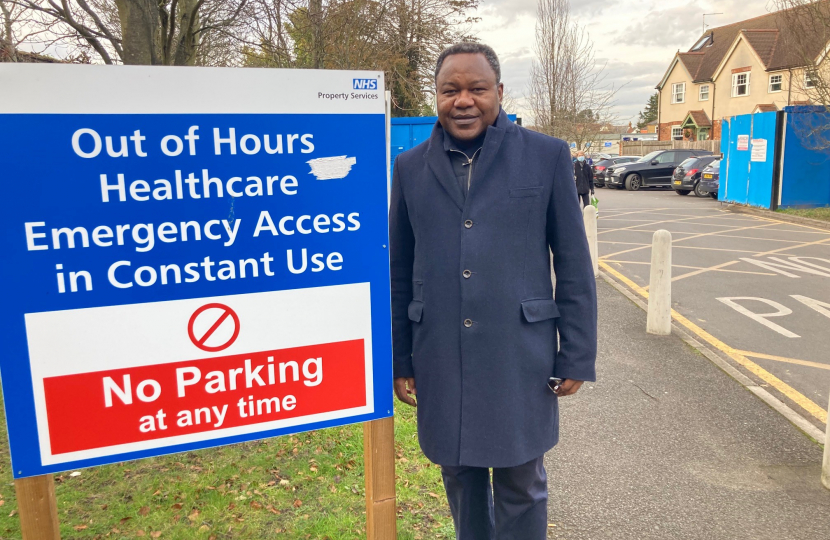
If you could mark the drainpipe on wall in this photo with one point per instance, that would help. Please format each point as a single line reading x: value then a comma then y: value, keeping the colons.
x: 713, y: 94
x: 659, y: 101
x: 789, y: 86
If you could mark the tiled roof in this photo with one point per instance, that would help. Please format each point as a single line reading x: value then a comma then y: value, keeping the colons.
x: 766, y: 107
x: 28, y: 57
x: 765, y: 34
x: 700, y: 118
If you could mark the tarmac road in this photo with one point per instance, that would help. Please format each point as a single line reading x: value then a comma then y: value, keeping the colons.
x: 727, y: 269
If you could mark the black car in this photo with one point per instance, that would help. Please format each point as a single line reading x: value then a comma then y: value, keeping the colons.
x: 686, y: 177
x: 600, y: 167
x: 652, y: 170
x: 710, y: 179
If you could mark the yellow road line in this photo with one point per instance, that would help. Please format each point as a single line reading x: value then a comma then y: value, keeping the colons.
x: 800, y: 399
x: 717, y: 267
x: 785, y: 359
x: 695, y: 268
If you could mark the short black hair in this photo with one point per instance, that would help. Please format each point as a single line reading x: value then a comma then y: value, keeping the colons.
x: 468, y: 47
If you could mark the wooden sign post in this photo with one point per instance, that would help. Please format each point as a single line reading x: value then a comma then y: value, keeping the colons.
x: 379, y: 456
x: 37, y: 507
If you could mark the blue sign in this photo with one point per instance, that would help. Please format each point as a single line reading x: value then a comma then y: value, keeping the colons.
x: 179, y: 279
x: 573, y: 145
x: 607, y: 145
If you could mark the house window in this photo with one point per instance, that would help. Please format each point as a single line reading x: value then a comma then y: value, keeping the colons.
x: 809, y: 80
x: 775, y: 83
x: 740, y: 84
x: 677, y: 133
x: 678, y: 93
x: 703, y: 134
x: 704, y: 93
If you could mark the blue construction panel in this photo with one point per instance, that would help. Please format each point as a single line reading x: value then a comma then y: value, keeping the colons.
x: 410, y: 131
x: 806, y: 159
x: 743, y: 180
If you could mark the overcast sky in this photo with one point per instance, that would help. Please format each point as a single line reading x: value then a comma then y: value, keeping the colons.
x: 636, y: 38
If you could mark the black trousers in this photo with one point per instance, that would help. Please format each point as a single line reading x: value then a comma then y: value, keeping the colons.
x: 586, y: 199
x: 514, y: 508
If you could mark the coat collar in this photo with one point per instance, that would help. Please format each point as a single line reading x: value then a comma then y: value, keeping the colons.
x: 439, y: 161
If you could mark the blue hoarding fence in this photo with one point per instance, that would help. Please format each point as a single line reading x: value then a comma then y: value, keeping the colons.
x: 777, y: 159
x: 409, y: 132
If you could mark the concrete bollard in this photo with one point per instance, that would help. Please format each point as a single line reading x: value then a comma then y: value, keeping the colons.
x: 659, y: 288
x: 589, y: 217
x: 825, y: 467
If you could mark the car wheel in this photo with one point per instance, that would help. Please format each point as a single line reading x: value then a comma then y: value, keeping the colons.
x: 714, y: 196
x: 699, y: 191
x: 600, y: 186
x: 633, y: 182
x: 682, y: 191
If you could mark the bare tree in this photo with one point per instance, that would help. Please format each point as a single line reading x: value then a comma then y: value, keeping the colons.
x: 568, y: 96
x: 157, y: 32
x: 806, y: 36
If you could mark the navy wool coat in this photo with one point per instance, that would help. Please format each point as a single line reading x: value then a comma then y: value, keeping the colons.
x: 474, y: 319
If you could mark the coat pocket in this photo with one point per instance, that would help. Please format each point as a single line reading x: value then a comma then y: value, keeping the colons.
x: 416, y: 310
x: 536, y: 310
x: 518, y: 193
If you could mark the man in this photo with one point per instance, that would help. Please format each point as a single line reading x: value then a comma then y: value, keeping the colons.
x: 473, y: 213
x: 584, y: 178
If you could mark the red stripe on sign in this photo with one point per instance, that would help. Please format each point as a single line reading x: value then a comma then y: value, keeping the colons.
x: 106, y: 408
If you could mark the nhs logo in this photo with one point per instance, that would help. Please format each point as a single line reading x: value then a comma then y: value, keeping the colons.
x: 364, y: 84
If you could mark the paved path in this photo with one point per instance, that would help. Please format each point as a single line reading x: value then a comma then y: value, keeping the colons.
x: 667, y: 446
x: 729, y: 267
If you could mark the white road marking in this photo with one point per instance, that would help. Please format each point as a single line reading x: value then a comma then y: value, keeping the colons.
x: 782, y: 311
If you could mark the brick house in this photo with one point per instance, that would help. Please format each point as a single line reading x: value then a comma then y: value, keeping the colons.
x: 739, y: 68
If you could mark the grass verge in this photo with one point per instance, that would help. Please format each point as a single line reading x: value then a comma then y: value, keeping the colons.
x: 306, y: 486
x: 813, y: 213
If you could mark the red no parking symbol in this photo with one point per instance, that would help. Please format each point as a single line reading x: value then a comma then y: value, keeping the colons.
x: 214, y: 329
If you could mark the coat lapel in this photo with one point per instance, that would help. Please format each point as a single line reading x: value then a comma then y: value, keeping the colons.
x: 489, y: 151
x: 439, y: 163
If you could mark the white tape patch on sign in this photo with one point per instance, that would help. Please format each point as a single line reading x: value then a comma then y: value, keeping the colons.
x: 263, y: 345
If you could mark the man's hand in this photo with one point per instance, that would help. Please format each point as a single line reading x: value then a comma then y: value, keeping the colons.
x: 405, y: 387
x: 568, y: 387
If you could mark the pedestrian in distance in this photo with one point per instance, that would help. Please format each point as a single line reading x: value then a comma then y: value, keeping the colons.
x: 475, y: 211
x: 584, y: 178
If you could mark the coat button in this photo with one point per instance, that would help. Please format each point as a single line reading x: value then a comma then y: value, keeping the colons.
x: 468, y: 323
x: 466, y: 274
x: 468, y: 223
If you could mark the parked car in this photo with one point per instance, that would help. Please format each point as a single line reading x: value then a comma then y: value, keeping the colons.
x: 652, y: 170
x: 601, y: 166
x: 686, y: 177
x: 710, y: 179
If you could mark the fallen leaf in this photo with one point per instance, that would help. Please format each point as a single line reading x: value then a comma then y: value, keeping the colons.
x: 204, y: 528
x: 231, y: 506
x: 143, y: 511
x: 74, y: 474
x: 125, y: 519
x: 255, y: 505
x: 433, y: 495
x: 193, y: 515
x: 139, y: 533
x: 177, y: 506
x: 155, y: 534
x: 298, y: 503
x: 80, y: 527
x: 284, y: 482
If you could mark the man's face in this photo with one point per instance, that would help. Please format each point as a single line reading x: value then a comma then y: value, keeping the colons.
x: 468, y: 95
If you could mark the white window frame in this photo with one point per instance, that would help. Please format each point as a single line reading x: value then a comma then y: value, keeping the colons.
x: 700, y: 94
x: 735, y: 83
x: 678, y: 97
x: 679, y: 135
x: 808, y: 80
x: 780, y: 83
